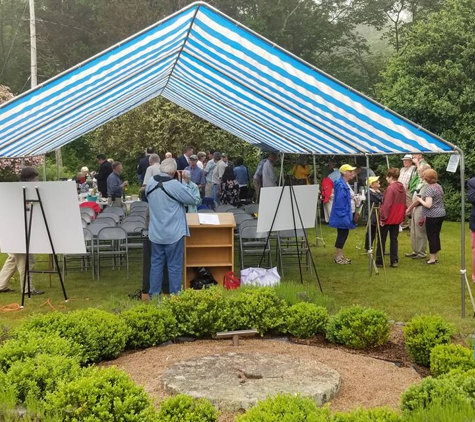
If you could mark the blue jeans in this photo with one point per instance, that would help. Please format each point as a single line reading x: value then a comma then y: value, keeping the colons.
x: 216, y: 197
x: 173, y: 255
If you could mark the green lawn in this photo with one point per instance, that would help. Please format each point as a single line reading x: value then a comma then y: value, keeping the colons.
x: 402, y: 292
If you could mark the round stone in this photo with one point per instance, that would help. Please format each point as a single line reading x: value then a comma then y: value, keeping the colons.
x: 235, y: 381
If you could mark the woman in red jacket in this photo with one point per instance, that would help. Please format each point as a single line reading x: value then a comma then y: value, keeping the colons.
x: 393, y: 210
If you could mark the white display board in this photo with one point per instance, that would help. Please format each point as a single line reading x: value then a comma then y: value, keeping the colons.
x: 60, y: 202
x: 306, y: 198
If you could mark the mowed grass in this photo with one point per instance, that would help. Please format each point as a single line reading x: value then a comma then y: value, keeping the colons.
x: 402, y: 292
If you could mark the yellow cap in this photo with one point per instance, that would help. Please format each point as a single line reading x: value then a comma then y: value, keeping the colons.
x: 373, y: 179
x: 346, y: 167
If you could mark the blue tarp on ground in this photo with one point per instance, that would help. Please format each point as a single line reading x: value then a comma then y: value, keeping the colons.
x: 221, y: 71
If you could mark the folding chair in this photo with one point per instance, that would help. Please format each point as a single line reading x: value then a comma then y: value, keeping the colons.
x: 86, y: 217
x: 290, y: 246
x: 224, y: 208
x: 119, y: 211
x: 134, y: 233
x: 237, y: 211
x: 87, y: 259
x: 96, y: 226
x: 138, y: 205
x: 134, y: 218
x: 112, y: 241
x: 109, y: 219
x: 86, y: 210
x: 252, y: 243
x: 251, y: 208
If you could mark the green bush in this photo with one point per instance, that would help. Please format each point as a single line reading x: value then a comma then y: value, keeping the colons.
x: 378, y: 414
x: 255, y: 307
x: 455, y: 387
x: 183, y: 408
x: 304, y: 320
x: 34, y: 343
x: 197, y: 312
x: 358, y: 327
x: 285, y: 408
x: 446, y: 357
x: 149, y: 325
x: 424, y: 332
x: 437, y: 412
x: 101, y: 334
x: 41, y: 374
x: 101, y: 395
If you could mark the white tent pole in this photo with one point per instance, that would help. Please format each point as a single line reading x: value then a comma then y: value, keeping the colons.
x: 318, y: 199
x: 281, y: 176
x: 463, y: 269
x: 44, y: 168
x: 368, y: 208
x: 387, y: 161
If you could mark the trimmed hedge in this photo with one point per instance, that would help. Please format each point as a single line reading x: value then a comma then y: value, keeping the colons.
x: 149, y: 326
x: 423, y: 333
x: 378, y: 414
x: 183, y: 408
x: 446, y: 357
x: 101, y: 334
x: 305, y: 320
x: 358, y: 327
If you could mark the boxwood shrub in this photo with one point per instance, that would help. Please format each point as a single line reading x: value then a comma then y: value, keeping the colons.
x: 183, y: 408
x: 100, y: 395
x: 38, y: 375
x: 285, y: 408
x: 149, y: 325
x: 101, y: 334
x: 446, y: 357
x: 378, y: 414
x: 255, y: 307
x: 424, y: 332
x: 358, y: 327
x: 304, y: 320
x: 33, y: 343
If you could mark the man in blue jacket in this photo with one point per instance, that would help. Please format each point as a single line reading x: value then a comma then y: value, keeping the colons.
x: 167, y: 198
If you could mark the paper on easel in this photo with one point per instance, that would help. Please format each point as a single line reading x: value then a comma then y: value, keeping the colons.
x: 212, y: 219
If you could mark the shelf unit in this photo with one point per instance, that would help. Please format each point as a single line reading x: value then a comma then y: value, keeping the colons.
x: 210, y: 246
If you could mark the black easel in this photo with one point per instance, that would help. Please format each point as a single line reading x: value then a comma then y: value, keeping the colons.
x: 288, y: 182
x: 28, y: 205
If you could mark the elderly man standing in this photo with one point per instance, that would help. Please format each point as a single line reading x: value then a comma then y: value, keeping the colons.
x: 405, y: 175
x: 167, y: 198
x: 196, y: 174
x: 268, y: 173
x: 115, y: 185
x: 218, y: 172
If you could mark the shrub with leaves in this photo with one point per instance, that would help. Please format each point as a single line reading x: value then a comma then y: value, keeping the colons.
x: 358, y: 327
x: 378, y: 414
x: 197, y: 312
x: 455, y: 387
x: 34, y: 377
x: 446, y: 357
x: 255, y: 307
x: 438, y: 412
x: 423, y: 333
x: 149, y: 325
x: 101, y: 395
x: 285, y: 408
x: 304, y: 320
x: 183, y: 408
x: 33, y: 343
x: 101, y: 334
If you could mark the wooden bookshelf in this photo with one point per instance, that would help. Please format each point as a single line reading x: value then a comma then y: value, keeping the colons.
x: 210, y: 246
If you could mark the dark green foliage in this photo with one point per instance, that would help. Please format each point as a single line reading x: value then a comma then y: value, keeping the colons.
x: 198, y: 312
x: 34, y: 343
x: 183, y: 408
x: 437, y: 412
x: 101, y: 334
x: 101, y: 395
x: 358, y: 327
x: 255, y: 307
x: 305, y: 320
x: 285, y: 408
x: 378, y: 414
x: 41, y: 374
x: 149, y: 325
x: 424, y: 332
x: 446, y: 357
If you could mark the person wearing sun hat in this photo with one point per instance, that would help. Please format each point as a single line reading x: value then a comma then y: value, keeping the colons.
x: 343, y: 210
x: 375, y: 198
x: 406, y: 173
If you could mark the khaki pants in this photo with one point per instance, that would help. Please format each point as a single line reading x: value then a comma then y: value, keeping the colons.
x: 327, y: 209
x: 406, y: 223
x: 14, y: 262
x: 116, y: 203
x: 418, y: 233
x: 209, y: 190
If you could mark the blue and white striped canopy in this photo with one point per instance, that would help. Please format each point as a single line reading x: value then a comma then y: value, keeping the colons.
x: 221, y: 71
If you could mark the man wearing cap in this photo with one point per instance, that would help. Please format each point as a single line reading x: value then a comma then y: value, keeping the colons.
x: 405, y: 175
x: 375, y: 198
x: 196, y: 174
x: 344, y: 207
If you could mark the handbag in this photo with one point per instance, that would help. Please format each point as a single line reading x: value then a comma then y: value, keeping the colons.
x: 231, y: 282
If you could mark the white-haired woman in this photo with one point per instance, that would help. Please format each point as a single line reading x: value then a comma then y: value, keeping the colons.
x: 186, y: 179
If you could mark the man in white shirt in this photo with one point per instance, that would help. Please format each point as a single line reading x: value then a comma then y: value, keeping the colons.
x: 218, y: 174
x: 152, y: 170
x: 268, y: 173
x: 405, y: 176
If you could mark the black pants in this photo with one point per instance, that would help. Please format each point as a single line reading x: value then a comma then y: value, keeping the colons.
x: 393, y: 230
x: 367, y: 242
x: 342, y: 235
x: 433, y: 228
x: 243, y: 192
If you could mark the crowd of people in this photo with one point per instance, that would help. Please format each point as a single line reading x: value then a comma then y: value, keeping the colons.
x: 412, y: 195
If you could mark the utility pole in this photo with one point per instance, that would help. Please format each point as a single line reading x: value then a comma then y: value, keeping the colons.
x: 34, y: 65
